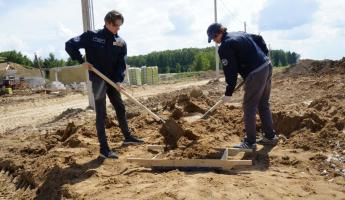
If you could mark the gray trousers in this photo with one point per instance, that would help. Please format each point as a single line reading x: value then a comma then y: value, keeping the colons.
x: 257, y: 92
x: 100, y: 89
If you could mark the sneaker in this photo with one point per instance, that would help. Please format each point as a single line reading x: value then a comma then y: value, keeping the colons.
x: 109, y: 154
x: 132, y: 140
x: 245, y: 145
x: 266, y: 141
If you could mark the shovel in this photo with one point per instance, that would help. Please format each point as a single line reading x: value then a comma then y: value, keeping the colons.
x: 171, y: 131
x: 197, y: 117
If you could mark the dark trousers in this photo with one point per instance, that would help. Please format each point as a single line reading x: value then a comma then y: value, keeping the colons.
x: 257, y: 92
x: 100, y: 89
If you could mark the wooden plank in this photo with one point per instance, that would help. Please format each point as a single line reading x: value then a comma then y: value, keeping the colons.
x: 225, y: 154
x: 231, y: 151
x: 156, y: 156
x: 207, y: 163
x: 234, y: 151
x: 155, y: 147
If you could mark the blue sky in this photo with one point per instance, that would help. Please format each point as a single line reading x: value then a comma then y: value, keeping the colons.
x: 313, y: 28
x: 285, y: 15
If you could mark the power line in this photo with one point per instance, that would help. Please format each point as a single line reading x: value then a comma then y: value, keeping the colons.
x: 231, y: 13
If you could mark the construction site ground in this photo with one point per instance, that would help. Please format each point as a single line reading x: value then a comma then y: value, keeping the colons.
x: 49, y: 147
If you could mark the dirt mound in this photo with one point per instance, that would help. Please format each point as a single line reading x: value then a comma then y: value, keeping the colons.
x: 171, y: 132
x: 286, y: 123
x: 203, y: 136
x: 70, y: 112
x: 177, y: 113
x: 320, y: 126
x: 196, y: 92
x: 22, y: 71
x: 195, y: 150
x: 70, y: 129
x: 312, y: 67
x: 20, y: 177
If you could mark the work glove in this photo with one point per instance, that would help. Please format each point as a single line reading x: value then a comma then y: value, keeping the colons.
x: 120, y: 86
x: 87, y: 65
x: 226, y: 99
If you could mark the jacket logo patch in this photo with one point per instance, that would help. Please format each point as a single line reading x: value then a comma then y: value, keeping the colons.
x: 98, y: 40
x: 225, y: 62
x: 76, y: 39
x: 118, y: 42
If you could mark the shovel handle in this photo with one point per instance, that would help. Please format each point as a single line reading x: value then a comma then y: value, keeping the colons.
x: 219, y: 102
x: 212, y: 109
x: 125, y: 93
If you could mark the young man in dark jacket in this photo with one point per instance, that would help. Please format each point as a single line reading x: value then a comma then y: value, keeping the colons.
x: 105, y: 51
x: 246, y: 54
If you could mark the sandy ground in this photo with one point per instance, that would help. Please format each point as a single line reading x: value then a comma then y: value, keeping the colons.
x: 58, y: 158
x: 40, y: 108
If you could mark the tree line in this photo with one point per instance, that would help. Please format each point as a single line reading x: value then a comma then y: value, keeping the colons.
x: 169, y: 61
x: 281, y: 58
x: 194, y: 59
x: 49, y: 62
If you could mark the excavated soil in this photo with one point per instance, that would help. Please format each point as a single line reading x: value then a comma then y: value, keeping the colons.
x: 59, y: 158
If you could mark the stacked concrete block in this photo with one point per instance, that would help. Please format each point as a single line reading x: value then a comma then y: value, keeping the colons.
x: 134, y: 76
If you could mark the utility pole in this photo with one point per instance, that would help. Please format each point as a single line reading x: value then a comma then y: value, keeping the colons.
x: 40, y: 67
x: 245, y: 27
x: 216, y: 46
x: 88, y: 24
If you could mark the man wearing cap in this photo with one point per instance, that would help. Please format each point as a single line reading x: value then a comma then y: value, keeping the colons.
x: 105, y: 51
x: 246, y: 54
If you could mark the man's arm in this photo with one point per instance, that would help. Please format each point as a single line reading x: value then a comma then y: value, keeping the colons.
x: 73, y: 45
x: 121, y: 64
x: 260, y: 42
x: 230, y: 68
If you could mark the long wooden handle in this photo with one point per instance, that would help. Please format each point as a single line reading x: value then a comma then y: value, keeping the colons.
x: 212, y: 109
x: 126, y: 94
x: 219, y: 102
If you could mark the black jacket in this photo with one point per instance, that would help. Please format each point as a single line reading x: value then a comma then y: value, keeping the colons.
x: 240, y: 53
x: 104, y: 50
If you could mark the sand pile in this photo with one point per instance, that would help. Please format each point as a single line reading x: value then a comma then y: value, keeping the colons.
x: 310, y: 67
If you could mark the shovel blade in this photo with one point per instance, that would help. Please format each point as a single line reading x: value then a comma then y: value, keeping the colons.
x: 193, y: 117
x: 171, y: 132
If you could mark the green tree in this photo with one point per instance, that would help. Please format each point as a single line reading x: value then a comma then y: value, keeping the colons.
x: 178, y: 68
x: 16, y: 57
x: 282, y: 58
x: 2, y: 59
x: 52, y: 62
x: 200, y: 63
x: 180, y: 60
x: 71, y: 62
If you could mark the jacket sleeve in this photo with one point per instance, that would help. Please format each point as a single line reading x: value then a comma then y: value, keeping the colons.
x: 230, y: 67
x: 121, y: 64
x: 73, y: 45
x: 260, y: 42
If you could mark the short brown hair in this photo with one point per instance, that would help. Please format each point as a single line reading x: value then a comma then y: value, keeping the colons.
x: 112, y: 16
x: 222, y: 29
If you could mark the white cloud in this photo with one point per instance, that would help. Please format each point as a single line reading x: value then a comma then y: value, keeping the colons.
x: 10, y: 42
x: 284, y: 15
x: 321, y: 38
x: 46, y: 24
x: 154, y: 25
x: 65, y: 32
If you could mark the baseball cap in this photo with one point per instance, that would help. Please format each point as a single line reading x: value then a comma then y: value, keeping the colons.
x: 212, y: 30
